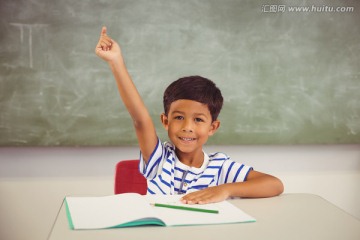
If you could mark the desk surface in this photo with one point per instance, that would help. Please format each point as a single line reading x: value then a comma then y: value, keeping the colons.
x: 289, y: 216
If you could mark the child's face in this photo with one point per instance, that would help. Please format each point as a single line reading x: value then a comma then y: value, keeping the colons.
x: 189, y: 125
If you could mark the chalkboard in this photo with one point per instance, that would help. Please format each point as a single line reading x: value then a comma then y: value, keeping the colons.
x: 289, y: 70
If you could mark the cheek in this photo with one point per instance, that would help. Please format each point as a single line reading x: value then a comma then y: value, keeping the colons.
x: 205, y: 131
x: 173, y: 127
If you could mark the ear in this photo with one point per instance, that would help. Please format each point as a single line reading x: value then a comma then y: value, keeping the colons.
x: 214, y: 127
x: 164, y: 121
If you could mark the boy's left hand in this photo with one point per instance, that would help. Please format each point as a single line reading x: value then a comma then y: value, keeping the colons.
x: 107, y: 48
x: 208, y: 195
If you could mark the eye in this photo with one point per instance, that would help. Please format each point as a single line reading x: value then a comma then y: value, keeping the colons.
x: 199, y: 120
x: 179, y: 117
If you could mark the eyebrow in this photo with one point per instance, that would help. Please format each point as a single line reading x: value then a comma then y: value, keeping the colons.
x: 196, y: 114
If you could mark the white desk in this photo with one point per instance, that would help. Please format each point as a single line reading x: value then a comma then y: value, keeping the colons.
x: 289, y: 216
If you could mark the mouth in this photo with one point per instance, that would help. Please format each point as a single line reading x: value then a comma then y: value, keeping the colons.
x: 187, y: 139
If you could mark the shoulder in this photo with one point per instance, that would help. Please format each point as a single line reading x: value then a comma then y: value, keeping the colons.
x: 218, y: 156
x: 218, y: 159
x: 222, y: 159
x: 164, y: 146
x: 168, y: 145
x: 161, y: 149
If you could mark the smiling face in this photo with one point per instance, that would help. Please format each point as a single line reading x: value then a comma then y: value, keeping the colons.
x: 189, y: 125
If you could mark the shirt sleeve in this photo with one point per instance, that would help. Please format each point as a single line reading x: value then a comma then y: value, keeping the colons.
x: 233, y: 172
x: 150, y: 170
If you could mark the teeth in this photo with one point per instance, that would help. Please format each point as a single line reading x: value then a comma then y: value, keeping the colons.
x: 187, y: 139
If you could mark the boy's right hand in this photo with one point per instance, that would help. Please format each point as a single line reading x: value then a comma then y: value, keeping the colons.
x: 107, y: 48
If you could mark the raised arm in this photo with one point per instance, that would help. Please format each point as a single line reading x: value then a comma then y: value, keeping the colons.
x: 110, y: 51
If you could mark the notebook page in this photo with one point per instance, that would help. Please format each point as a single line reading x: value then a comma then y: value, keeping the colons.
x: 108, y: 211
x: 228, y: 213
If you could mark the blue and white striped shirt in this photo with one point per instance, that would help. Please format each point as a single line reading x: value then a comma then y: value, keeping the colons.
x: 165, y: 173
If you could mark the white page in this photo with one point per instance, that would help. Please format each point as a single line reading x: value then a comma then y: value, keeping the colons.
x: 108, y: 211
x: 228, y: 213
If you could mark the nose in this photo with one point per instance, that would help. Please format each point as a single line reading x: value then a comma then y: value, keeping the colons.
x: 187, y: 126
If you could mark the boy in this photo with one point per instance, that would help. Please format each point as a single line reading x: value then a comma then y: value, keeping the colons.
x: 191, y: 108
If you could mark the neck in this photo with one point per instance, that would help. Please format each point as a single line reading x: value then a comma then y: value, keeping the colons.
x: 191, y: 159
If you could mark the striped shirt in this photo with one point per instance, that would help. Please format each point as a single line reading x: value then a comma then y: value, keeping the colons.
x: 165, y: 173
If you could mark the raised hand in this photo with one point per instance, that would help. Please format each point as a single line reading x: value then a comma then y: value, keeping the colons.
x: 107, y: 48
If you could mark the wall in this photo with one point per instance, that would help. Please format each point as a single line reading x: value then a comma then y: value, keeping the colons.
x: 33, y: 181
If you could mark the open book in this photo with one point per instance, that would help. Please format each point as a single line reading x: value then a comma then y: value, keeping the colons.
x: 132, y: 209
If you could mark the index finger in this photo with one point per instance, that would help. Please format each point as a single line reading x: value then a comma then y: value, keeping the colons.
x: 103, y: 31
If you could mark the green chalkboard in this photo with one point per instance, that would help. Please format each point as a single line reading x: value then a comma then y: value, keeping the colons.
x: 288, y: 75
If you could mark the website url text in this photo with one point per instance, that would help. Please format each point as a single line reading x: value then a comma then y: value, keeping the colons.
x: 297, y: 9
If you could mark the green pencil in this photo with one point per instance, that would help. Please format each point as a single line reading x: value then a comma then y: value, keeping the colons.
x: 185, y: 208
